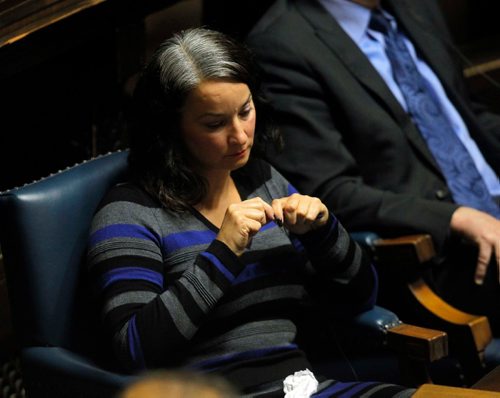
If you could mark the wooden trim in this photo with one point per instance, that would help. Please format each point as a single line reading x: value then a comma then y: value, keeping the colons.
x: 30, y: 16
x: 482, y: 68
x: 438, y: 391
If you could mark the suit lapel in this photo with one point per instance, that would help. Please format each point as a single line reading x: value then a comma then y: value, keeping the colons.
x: 332, y: 34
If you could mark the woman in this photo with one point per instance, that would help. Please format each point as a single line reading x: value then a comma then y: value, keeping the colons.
x: 201, y: 259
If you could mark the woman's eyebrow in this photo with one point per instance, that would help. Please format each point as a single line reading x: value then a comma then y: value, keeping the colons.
x: 215, y: 114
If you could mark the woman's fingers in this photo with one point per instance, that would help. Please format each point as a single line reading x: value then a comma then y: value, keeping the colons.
x: 242, y: 221
x: 303, y: 213
x: 277, y: 212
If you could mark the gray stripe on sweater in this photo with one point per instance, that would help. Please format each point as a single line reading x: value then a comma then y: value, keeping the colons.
x: 260, y: 296
x: 195, y: 284
x: 137, y: 297
x: 115, y: 247
x: 253, y: 335
x: 181, y: 318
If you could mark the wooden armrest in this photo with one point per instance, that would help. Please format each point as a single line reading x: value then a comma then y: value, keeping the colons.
x: 416, y: 347
x: 405, y: 250
x: 418, y: 343
x: 438, y: 391
x: 418, y: 249
x: 469, y: 334
x: 478, y: 324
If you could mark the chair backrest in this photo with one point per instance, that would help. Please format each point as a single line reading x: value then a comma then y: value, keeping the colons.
x: 43, y: 235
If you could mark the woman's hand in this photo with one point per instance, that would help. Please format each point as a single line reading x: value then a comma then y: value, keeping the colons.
x: 300, y: 213
x: 242, y: 221
x: 482, y: 230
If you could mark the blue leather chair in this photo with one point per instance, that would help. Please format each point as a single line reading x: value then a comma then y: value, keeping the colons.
x: 43, y: 236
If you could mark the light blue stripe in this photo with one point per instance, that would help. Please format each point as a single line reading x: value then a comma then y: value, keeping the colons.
x: 215, y: 261
x: 131, y: 273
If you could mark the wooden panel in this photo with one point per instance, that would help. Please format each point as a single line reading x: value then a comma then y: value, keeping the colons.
x: 20, y: 18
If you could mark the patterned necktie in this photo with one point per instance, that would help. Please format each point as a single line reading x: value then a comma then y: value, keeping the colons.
x: 466, y: 184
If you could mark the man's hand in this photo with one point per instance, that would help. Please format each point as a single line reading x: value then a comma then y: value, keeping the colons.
x: 484, y: 231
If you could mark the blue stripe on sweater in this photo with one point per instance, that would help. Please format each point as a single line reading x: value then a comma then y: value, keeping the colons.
x: 180, y: 240
x: 339, y: 386
x: 131, y: 273
x: 330, y: 231
x: 356, y: 389
x: 134, y: 344
x: 214, y: 363
x: 121, y: 231
x: 215, y: 261
x: 258, y: 270
x: 292, y: 190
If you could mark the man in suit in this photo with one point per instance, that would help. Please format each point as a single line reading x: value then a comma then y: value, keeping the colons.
x: 352, y: 139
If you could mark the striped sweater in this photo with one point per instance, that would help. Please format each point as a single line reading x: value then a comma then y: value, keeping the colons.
x: 172, y: 295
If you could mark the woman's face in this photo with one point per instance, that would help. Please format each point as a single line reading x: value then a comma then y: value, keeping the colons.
x: 218, y: 125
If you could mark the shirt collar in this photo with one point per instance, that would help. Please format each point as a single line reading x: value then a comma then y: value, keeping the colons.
x: 352, y: 17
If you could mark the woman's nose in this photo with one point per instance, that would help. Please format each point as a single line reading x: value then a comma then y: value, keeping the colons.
x: 238, y: 134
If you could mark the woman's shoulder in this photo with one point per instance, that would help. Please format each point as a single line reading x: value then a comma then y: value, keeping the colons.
x: 129, y: 192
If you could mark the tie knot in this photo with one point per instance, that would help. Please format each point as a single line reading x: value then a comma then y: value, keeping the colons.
x: 379, y: 23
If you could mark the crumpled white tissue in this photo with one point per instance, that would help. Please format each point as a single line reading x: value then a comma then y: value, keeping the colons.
x: 301, y: 384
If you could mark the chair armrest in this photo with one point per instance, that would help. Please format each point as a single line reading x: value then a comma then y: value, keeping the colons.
x: 403, y: 259
x: 438, y: 391
x: 408, y: 340
x: 415, y: 347
x: 55, y: 371
x: 376, y: 322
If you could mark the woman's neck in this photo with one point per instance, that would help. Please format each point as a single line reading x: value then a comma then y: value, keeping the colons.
x: 218, y: 188
x: 221, y: 193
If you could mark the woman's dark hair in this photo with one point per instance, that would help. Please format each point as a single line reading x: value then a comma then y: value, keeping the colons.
x: 157, y: 154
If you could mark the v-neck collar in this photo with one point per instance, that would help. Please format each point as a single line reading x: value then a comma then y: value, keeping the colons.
x: 242, y: 186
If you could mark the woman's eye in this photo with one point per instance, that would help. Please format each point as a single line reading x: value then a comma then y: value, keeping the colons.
x: 245, y: 112
x: 214, y: 125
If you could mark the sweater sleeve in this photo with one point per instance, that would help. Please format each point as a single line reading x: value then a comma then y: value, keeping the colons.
x: 344, y: 268
x: 339, y: 261
x: 151, y: 319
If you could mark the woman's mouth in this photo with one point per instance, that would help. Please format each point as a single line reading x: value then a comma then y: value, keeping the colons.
x: 238, y: 154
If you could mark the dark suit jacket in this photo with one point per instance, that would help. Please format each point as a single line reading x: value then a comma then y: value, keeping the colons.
x: 347, y: 139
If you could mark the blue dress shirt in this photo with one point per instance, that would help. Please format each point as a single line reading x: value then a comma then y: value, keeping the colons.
x: 354, y: 19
